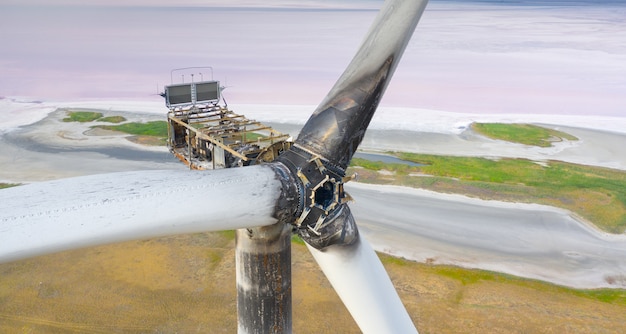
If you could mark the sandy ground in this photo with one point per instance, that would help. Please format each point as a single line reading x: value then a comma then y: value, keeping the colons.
x: 529, y: 241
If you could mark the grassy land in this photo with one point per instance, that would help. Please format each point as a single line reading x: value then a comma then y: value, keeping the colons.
x: 187, y: 284
x: 154, y: 128
x: 253, y: 136
x: 82, y: 116
x: 112, y: 119
x: 7, y: 185
x: 522, y: 133
x: 151, y: 133
x: 90, y: 116
x: 468, y: 277
x: 596, y: 194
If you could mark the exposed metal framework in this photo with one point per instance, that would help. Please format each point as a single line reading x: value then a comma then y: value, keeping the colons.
x: 214, y: 137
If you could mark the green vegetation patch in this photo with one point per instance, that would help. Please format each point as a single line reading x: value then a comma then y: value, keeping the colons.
x: 526, y: 134
x: 612, y: 296
x: 595, y: 193
x: 82, y: 116
x: 398, y: 168
x: 467, y: 277
x: 392, y: 260
x: 295, y: 238
x: 228, y: 234
x: 154, y: 128
x: 91, y: 116
x: 475, y: 276
x: 8, y: 185
x: 253, y: 136
x: 113, y: 119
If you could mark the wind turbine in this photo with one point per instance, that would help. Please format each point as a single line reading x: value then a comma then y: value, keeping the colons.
x: 301, y: 191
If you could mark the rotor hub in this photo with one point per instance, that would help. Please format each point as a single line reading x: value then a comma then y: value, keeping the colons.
x: 322, y: 217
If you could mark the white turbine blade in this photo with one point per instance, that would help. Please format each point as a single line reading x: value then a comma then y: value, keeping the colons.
x: 360, y: 280
x: 47, y: 217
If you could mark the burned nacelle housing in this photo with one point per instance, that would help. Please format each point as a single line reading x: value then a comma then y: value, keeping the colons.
x: 213, y: 137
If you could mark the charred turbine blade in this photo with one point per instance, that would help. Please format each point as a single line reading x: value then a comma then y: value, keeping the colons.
x: 321, y: 153
x: 338, y: 125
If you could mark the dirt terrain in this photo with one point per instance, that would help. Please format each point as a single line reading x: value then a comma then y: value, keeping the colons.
x: 186, y: 284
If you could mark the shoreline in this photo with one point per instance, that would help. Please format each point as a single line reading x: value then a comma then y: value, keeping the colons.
x: 18, y: 111
x: 527, y: 240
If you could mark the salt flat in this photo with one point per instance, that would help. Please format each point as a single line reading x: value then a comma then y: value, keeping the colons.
x: 525, y: 240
